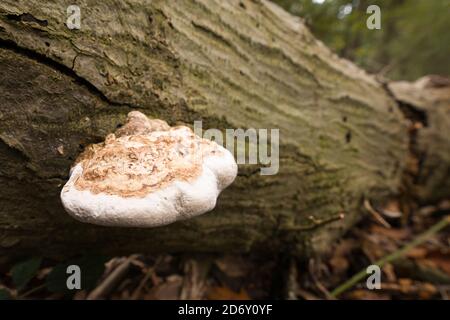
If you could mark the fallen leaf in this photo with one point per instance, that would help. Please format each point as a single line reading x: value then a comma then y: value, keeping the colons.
x: 80, y: 295
x: 363, y: 294
x: 23, y: 272
x: 168, y: 290
x: 225, y: 293
x: 232, y: 265
x: 339, y: 264
x: 416, y: 253
x: 440, y: 260
x: 395, y: 234
x: 389, y: 271
x: 405, y: 285
x: 427, y: 291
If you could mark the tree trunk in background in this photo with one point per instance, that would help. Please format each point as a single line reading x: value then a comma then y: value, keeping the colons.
x: 232, y: 64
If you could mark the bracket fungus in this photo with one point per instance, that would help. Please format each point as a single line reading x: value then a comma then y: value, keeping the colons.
x: 147, y: 174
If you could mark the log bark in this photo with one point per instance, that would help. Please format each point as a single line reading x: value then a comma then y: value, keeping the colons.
x: 426, y: 103
x: 232, y: 64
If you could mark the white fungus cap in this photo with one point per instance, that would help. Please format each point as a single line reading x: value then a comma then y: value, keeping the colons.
x: 147, y: 174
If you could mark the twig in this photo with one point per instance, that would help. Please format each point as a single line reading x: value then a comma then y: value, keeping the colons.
x: 306, y: 295
x: 375, y: 214
x: 141, y: 285
x: 317, y: 283
x: 26, y: 294
x: 315, y: 223
x: 194, y: 282
x: 148, y: 274
x: 393, y: 256
x: 111, y: 281
x: 291, y: 281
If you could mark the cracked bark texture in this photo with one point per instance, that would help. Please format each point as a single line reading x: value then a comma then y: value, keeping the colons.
x: 232, y: 64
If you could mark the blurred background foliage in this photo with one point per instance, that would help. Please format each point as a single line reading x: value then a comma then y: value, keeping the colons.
x: 414, y: 39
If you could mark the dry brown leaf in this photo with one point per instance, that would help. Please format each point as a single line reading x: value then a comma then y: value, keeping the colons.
x: 427, y: 291
x: 125, y: 295
x: 389, y: 271
x: 168, y: 290
x: 80, y: 295
x: 372, y: 250
x: 225, y: 293
x: 440, y: 260
x: 395, y: 234
x: 233, y: 266
x: 417, y: 253
x: 339, y: 264
x: 405, y: 285
x: 363, y: 294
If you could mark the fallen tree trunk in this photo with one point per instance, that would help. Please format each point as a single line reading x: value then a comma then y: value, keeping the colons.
x: 232, y: 64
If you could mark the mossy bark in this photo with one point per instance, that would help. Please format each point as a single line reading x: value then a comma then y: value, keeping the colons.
x: 232, y: 64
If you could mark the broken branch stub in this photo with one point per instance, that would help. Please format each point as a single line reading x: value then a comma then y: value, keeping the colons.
x: 147, y: 174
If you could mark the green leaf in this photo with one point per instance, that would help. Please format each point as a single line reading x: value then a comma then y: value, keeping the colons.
x: 56, y: 279
x: 23, y: 272
x: 92, y: 268
x: 4, y: 294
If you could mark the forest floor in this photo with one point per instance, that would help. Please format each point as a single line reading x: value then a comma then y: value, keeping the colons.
x: 423, y: 272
